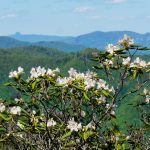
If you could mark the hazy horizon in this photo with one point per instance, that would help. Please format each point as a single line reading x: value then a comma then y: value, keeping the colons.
x: 70, y: 35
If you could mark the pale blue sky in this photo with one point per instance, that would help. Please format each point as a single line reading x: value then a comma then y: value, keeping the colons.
x: 73, y: 17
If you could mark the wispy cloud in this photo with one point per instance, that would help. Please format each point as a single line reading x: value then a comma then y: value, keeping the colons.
x: 8, y: 16
x: 117, y: 1
x: 84, y: 9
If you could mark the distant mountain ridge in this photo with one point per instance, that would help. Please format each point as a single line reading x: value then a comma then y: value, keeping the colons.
x: 9, y: 42
x: 38, y: 38
x: 97, y: 39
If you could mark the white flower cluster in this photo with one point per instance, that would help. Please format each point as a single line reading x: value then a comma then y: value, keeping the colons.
x: 111, y: 48
x: 101, y: 84
x: 64, y: 81
x: 51, y: 122
x: 147, y: 94
x: 139, y: 63
x: 16, y: 74
x: 126, y: 41
x: 74, y: 74
x: 2, y: 107
x: 126, y: 61
x: 15, y: 110
x: 107, y: 62
x: 87, y: 79
x: 41, y: 71
x: 89, y: 83
x: 101, y: 99
x: 74, y: 126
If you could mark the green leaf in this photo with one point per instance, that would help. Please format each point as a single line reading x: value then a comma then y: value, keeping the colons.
x: 144, y: 48
x: 66, y: 135
x: 135, y: 74
x: 106, y: 93
x: 133, y: 46
x: 9, y: 84
x: 5, y: 117
x: 33, y: 85
x: 86, y: 97
x: 98, y: 67
x: 94, y: 59
x: 2, y: 129
x: 87, y: 134
x: 71, y: 143
x: 148, y: 70
x: 2, y: 140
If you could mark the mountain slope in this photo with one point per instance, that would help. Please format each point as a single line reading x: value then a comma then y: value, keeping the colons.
x: 9, y: 42
x: 60, y: 46
x: 100, y: 39
x: 95, y: 39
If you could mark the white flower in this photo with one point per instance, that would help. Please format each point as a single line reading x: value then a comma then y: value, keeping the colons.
x: 112, y: 112
x: 15, y: 110
x: 72, y: 72
x: 90, y: 126
x: 63, y: 81
x: 147, y: 99
x: 126, y: 61
x: 17, y: 100
x: 145, y: 91
x: 90, y: 74
x: 101, y: 84
x: 108, y: 106
x: 111, y: 48
x: 51, y: 122
x: 80, y: 76
x: 16, y: 74
x: 107, y: 62
x: 20, y: 70
x: 20, y: 125
x: 83, y: 113
x: 126, y: 41
x: 36, y: 72
x: 33, y: 112
x: 52, y: 73
x: 128, y: 137
x: 2, y: 107
x: 74, y: 126
x: 89, y: 83
x: 19, y: 135
x: 112, y: 89
x: 102, y: 99
x: 57, y: 70
x: 138, y: 63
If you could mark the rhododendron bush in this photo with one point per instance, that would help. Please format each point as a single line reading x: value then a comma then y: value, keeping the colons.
x: 78, y: 111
